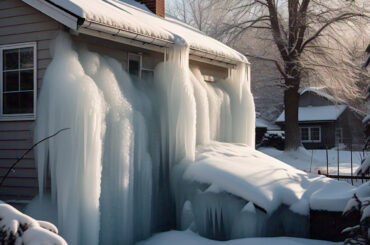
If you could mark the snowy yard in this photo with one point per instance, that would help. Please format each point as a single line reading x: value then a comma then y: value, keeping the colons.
x: 188, y: 237
x: 302, y: 159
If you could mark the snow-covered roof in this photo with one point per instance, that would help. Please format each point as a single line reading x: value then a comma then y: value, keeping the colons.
x: 317, y: 113
x: 116, y: 17
x: 262, y: 123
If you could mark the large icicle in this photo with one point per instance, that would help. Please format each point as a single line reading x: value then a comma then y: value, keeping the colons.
x: 243, y: 112
x: 70, y: 99
x: 118, y: 168
x: 177, y: 105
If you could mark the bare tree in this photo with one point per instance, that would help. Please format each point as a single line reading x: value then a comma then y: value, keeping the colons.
x: 314, y: 40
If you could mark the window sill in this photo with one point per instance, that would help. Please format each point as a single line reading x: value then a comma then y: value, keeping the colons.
x: 311, y: 141
x: 17, y: 118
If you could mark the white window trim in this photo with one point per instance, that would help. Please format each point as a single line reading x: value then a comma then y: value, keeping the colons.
x: 140, y: 61
x: 26, y: 116
x: 309, y: 134
x: 341, y: 135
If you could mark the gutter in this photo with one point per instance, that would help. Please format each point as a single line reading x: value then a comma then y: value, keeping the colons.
x: 149, y: 42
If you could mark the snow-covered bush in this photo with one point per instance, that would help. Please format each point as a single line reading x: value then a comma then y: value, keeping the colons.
x: 19, y: 229
x: 364, y: 168
x: 275, y: 139
x: 359, y: 208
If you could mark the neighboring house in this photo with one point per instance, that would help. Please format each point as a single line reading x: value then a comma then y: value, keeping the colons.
x: 327, y: 122
x: 131, y: 34
x: 262, y: 127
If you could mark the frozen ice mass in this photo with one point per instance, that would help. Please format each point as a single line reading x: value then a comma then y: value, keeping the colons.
x: 177, y: 152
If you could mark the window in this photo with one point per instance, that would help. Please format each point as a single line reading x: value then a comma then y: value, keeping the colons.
x: 18, y: 81
x: 311, y: 134
x: 339, y: 135
x: 147, y: 74
x: 305, y: 134
x: 134, y: 65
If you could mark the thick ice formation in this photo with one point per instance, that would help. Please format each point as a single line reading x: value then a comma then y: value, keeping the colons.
x: 71, y: 99
x: 109, y: 173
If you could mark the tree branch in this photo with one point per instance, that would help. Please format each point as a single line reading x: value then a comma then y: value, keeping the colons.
x: 341, y: 17
x: 26, y: 152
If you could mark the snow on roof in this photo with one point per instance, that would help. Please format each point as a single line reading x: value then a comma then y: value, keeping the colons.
x: 317, y: 113
x: 264, y: 180
x: 133, y: 19
x: 262, y: 123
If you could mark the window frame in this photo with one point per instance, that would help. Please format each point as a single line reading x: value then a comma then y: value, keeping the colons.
x: 341, y: 135
x: 140, y: 63
x: 310, y: 135
x: 19, y: 116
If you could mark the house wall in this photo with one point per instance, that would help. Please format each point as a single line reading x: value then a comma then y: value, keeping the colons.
x: 21, y: 23
x: 353, y: 132
x: 327, y: 135
x: 312, y: 99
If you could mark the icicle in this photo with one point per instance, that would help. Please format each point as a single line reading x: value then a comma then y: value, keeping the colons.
x: 70, y: 99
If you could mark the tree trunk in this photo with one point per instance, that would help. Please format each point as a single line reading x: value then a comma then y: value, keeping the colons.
x: 291, y: 102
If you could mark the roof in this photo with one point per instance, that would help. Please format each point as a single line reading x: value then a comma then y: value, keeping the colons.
x: 316, y: 113
x: 262, y: 123
x: 119, y: 18
x: 321, y: 92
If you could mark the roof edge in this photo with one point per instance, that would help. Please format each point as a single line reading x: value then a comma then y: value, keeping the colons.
x: 87, y: 27
x: 55, y: 12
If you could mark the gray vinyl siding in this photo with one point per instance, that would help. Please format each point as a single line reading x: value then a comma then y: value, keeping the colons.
x: 20, y: 23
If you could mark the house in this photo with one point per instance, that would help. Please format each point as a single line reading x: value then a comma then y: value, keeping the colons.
x: 127, y: 31
x: 262, y: 127
x: 326, y: 122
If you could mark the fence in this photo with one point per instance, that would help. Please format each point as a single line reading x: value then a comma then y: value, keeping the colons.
x: 352, y: 178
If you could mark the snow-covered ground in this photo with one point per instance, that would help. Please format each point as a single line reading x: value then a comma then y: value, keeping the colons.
x: 188, y: 237
x: 302, y: 159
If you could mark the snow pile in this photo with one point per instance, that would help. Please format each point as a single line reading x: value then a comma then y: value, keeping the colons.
x: 364, y: 167
x: 110, y: 170
x: 124, y: 16
x: 188, y: 237
x: 18, y: 228
x: 264, y: 180
x: 236, y: 191
x: 312, y: 161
